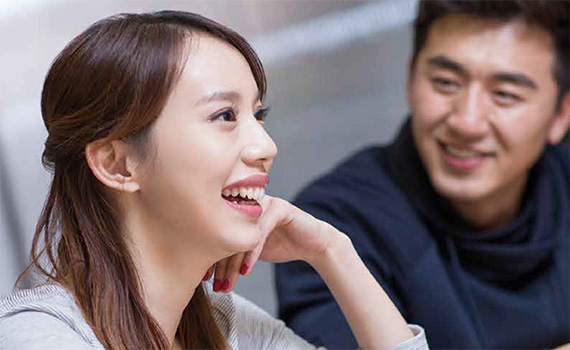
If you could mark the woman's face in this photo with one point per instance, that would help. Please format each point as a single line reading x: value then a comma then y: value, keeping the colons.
x: 211, y: 149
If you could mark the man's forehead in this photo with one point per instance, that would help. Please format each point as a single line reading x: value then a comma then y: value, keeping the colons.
x: 463, y: 25
x: 498, y: 44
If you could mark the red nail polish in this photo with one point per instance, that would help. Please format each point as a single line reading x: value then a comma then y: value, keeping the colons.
x: 226, y: 284
x: 243, y: 269
x: 217, y: 285
x: 206, y: 276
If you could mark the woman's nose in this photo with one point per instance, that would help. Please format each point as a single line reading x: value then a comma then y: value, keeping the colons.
x: 259, y: 146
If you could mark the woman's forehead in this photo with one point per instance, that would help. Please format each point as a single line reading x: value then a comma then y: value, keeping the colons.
x: 213, y: 66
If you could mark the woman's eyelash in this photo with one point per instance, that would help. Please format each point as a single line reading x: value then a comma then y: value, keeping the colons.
x: 262, y: 114
x: 226, y: 116
x: 230, y: 115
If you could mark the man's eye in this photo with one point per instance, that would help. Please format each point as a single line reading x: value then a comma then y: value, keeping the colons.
x: 262, y: 114
x: 445, y: 85
x: 505, y: 97
x: 226, y: 116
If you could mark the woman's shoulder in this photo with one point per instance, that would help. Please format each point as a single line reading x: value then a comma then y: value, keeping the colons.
x: 247, y: 326
x: 42, y: 294
x: 234, y: 308
x: 255, y: 328
x: 45, y: 316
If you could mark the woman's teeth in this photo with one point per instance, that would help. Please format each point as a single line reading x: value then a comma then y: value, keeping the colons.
x: 255, y: 193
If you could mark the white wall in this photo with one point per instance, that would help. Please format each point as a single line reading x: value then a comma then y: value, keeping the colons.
x: 326, y: 103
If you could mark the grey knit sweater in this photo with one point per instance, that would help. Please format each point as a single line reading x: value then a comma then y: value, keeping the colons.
x: 47, y: 317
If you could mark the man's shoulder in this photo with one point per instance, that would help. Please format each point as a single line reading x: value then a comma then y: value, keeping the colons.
x: 359, y: 173
x: 561, y: 154
x: 360, y: 198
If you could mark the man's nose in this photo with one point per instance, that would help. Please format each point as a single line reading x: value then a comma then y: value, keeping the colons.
x: 469, y: 117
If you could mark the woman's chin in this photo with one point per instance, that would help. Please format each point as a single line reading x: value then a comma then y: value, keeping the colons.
x: 245, y: 240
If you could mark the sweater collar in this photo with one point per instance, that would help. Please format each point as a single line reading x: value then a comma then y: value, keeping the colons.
x: 502, y: 255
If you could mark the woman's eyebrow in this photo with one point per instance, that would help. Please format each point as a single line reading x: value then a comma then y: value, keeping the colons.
x: 230, y: 96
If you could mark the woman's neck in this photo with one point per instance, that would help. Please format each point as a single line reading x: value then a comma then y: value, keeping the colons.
x: 170, y: 270
x: 167, y: 291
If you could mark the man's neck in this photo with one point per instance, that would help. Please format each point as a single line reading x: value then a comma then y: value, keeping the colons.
x: 494, y: 211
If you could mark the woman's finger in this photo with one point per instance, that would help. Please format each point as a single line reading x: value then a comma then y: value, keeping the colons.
x: 275, y: 213
x: 219, y: 275
x: 251, y: 258
x: 208, y: 274
x: 231, y: 274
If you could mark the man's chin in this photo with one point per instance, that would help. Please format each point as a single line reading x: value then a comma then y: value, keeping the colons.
x: 460, y: 190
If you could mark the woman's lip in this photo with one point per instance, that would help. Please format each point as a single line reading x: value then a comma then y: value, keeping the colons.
x: 257, y: 180
x: 253, y: 211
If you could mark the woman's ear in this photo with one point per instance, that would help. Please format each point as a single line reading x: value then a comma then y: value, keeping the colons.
x: 113, y: 163
x: 561, y: 121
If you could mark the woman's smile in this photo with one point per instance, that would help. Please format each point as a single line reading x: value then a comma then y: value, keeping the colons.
x: 245, y: 195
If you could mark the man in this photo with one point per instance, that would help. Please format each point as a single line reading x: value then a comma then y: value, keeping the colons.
x: 464, y: 218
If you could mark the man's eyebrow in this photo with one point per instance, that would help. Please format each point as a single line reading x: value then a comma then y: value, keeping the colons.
x: 517, y: 79
x: 230, y: 96
x: 447, y: 63
x: 507, y: 77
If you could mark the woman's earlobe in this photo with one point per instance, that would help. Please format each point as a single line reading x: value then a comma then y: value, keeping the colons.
x: 111, y: 164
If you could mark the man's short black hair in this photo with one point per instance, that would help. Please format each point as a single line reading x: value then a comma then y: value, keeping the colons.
x: 551, y: 15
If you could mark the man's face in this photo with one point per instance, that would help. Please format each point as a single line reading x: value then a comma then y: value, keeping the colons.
x: 483, y: 100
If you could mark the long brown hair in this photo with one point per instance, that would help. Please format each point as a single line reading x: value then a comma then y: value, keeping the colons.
x: 112, y: 82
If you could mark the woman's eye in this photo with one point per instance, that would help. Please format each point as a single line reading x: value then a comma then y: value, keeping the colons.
x: 225, y: 116
x: 262, y: 114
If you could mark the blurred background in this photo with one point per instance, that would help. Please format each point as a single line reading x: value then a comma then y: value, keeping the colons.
x: 336, y: 74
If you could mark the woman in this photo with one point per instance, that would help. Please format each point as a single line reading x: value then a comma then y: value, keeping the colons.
x: 160, y: 159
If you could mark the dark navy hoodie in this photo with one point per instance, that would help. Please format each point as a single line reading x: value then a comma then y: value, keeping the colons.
x: 505, y: 288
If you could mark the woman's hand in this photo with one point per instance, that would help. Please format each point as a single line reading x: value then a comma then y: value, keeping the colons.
x: 290, y: 234
x: 287, y: 233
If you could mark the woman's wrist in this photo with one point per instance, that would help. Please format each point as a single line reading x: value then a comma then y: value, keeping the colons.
x: 373, y: 318
x: 338, y: 246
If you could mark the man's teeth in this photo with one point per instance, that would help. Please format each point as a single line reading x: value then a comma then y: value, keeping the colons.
x: 461, y: 153
x: 255, y: 193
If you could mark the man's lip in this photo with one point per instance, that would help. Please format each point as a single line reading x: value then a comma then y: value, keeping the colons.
x: 465, y: 148
x: 257, y: 180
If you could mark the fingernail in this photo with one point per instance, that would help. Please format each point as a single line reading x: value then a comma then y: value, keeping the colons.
x: 226, y: 285
x: 206, y: 276
x: 217, y: 285
x: 243, y: 269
